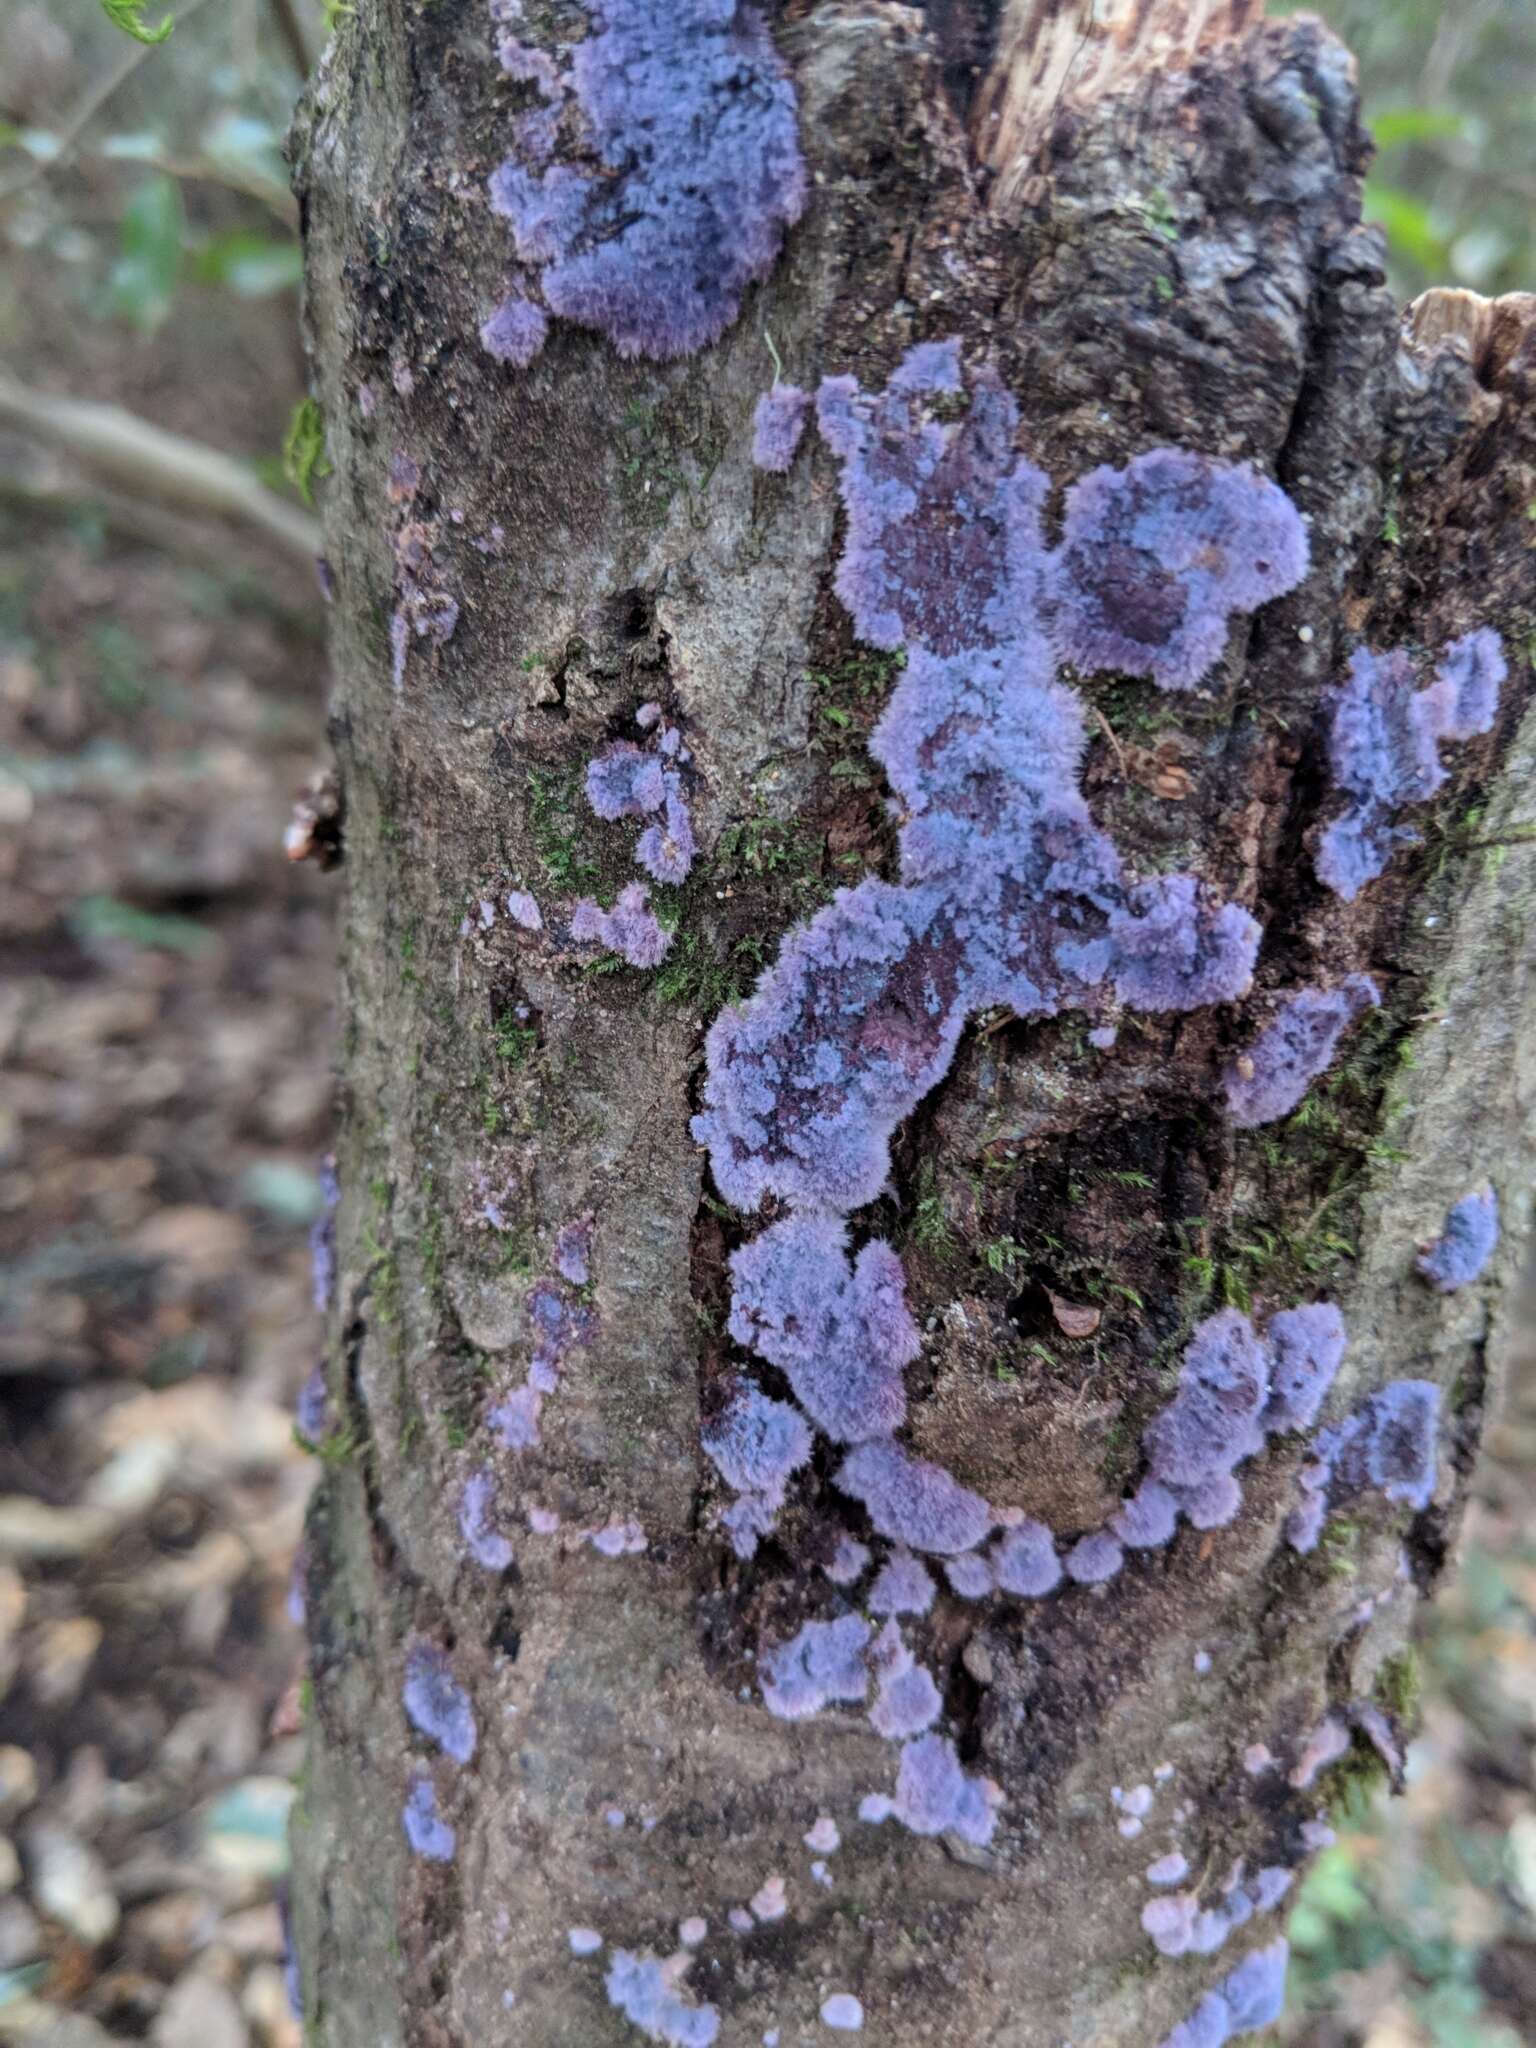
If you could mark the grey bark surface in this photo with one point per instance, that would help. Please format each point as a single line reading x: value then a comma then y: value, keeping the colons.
x: 1162, y: 245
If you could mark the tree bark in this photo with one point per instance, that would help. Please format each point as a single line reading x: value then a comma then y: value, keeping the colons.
x: 1151, y: 226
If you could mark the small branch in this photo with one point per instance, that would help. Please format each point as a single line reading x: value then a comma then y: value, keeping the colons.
x: 90, y: 106
x: 150, y: 463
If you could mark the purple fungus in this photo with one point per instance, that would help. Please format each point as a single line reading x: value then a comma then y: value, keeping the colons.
x: 437, y: 1704
x: 1384, y: 747
x: 1170, y: 1869
x: 943, y: 545
x: 756, y: 1443
x: 1208, y: 2026
x: 1398, y: 1446
x: 1147, y: 1520
x: 839, y: 1330
x: 1465, y: 1244
x: 1093, y: 1559
x: 1270, y: 1886
x: 583, y: 1941
x: 824, y: 1662
x: 1213, y: 1422
x: 515, y: 332
x: 912, y: 1501
x: 777, y: 425
x: 523, y: 909
x: 640, y: 1987
x: 1255, y: 1990
x: 478, y: 1522
x: 666, y: 851
x: 1471, y: 673
x: 322, y: 1237
x: 1171, y: 1922
x: 934, y: 1796
x: 426, y: 1831
x: 696, y: 175
x: 1307, y: 1347
x: 516, y: 1419
x: 1025, y: 1561
x: 850, y: 1561
x: 1214, y: 1503
x: 1155, y: 557
x: 630, y: 929
x: 842, y: 2012
x: 1379, y: 1733
x: 901, y: 1586
x: 1271, y: 1077
x: 573, y: 1251
x: 970, y: 1576
x: 1328, y: 1741
x: 624, y: 782
x: 312, y: 1410
x: 907, y: 1703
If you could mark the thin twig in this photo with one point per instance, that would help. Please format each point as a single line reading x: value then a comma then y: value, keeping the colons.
x: 90, y: 106
x: 148, y: 462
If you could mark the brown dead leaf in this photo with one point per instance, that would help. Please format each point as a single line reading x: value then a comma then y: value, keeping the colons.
x: 1075, y: 1318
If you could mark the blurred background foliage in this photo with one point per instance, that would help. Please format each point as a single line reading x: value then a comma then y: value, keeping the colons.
x: 152, y: 259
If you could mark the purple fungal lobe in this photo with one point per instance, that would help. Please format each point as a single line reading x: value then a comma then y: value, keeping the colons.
x: 515, y: 332
x: 838, y: 1329
x: 1094, y: 1558
x: 1307, y: 1344
x: 630, y: 929
x: 1384, y: 747
x: 426, y: 1831
x: 1213, y: 1422
x: 624, y: 782
x: 1388, y: 1442
x: 477, y: 1523
x: 934, y: 1794
x: 824, y: 1662
x: 1155, y: 557
x: 641, y: 1989
x: 902, y: 1585
x: 691, y: 120
x: 1272, y: 1076
x: 777, y: 425
x: 756, y: 1443
x: 1465, y: 1244
x: 912, y: 1501
x: 1025, y: 1561
x: 437, y: 1704
x: 312, y: 1411
x: 907, y: 1703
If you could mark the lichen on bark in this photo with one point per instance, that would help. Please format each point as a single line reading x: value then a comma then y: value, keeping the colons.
x: 1173, y: 257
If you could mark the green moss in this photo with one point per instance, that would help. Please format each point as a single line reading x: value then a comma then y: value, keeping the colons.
x: 554, y: 823
x: 1399, y: 1684
x: 698, y: 975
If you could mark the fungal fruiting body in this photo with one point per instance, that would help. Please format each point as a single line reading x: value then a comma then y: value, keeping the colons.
x: 643, y: 1989
x: 1384, y: 739
x: 1466, y: 1242
x: 777, y: 426
x: 426, y: 1831
x: 1387, y: 1443
x: 1249, y: 1997
x: 692, y: 175
x: 1271, y: 1077
x: 437, y: 1704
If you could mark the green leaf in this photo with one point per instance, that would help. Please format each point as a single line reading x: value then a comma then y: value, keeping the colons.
x: 1411, y: 233
x: 252, y: 266
x: 143, y: 281
x: 106, y: 917
x: 304, y: 449
x: 1414, y: 124
x: 128, y: 15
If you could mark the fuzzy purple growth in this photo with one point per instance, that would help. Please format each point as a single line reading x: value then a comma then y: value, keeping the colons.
x: 477, y: 1522
x: 691, y: 120
x: 437, y: 1704
x: 1093, y: 1559
x: 1180, y: 1925
x: 755, y: 1444
x: 907, y: 1701
x: 623, y: 781
x: 322, y: 1237
x: 573, y: 1251
x: 641, y: 1988
x: 312, y: 1410
x: 1024, y: 1561
x: 1156, y: 557
x: 1215, y: 1419
x: 630, y: 929
x: 970, y: 1576
x: 935, y: 1796
x: 559, y: 1326
x: 912, y: 1501
x: 1285, y: 1059
x: 1010, y: 894
x: 902, y: 1585
x: 426, y: 1831
x: 1148, y: 1519
x: 666, y: 850
x: 777, y: 425
x: 824, y: 1662
x: 1307, y: 1348
x: 838, y: 1329
x: 515, y: 332
x: 1384, y: 747
x: 1248, y: 1998
x: 1465, y: 1244
x: 1387, y: 1443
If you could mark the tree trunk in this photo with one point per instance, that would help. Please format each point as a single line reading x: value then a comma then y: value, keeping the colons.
x: 1150, y: 228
